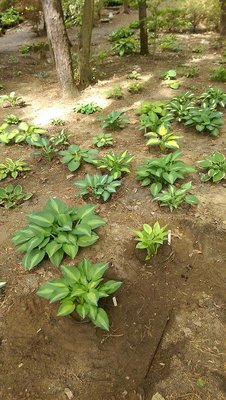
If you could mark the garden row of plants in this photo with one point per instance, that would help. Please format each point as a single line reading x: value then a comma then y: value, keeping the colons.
x: 57, y: 231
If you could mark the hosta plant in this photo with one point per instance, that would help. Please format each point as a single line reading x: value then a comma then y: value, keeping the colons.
x: 12, y: 168
x: 56, y: 231
x: 124, y: 46
x: 116, y: 163
x: 180, y: 106
x: 116, y: 93
x: 12, y: 119
x: 121, y: 33
x: 213, y: 98
x: 171, y: 74
x: 151, y: 238
x: 114, y: 121
x: 163, y: 170
x: 74, y: 156
x: 158, y: 107
x: 11, y: 196
x: 11, y: 100
x: 80, y: 289
x: 215, y: 166
x: 57, y: 122
x: 133, y: 75
x: 219, y: 74
x: 205, y: 120
x: 136, y: 87
x: 89, y: 108
x: 174, y: 196
x: 103, y: 140
x: 49, y: 146
x: 192, y: 72
x: 163, y: 138
x: 152, y: 121
x: 23, y: 132
x: 99, y: 186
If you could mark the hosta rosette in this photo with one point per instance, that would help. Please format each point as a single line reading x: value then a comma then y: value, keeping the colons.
x: 56, y: 231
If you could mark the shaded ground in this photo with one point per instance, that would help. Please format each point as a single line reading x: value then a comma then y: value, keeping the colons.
x: 168, y: 332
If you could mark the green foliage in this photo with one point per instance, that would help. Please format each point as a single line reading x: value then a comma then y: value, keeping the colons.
x: 57, y: 122
x: 116, y: 93
x: 74, y: 155
x: 205, y: 120
x: 98, y: 186
x: 202, y: 11
x: 169, y: 75
x: 12, y: 168
x: 181, y: 106
x: 192, y: 72
x: 213, y: 98
x: 80, y: 290
x: 12, y: 100
x: 2, y: 284
x: 115, y: 163
x: 219, y: 74
x: 169, y: 42
x: 89, y: 108
x: 151, y: 121
x: 124, y: 46
x: 56, y: 231
x: 11, y: 196
x: 11, y: 17
x: 24, y: 132
x: 100, y: 57
x: 162, y: 138
x: 113, y: 121
x: 215, y: 165
x: 103, y: 140
x: 49, y: 146
x: 121, y: 33
x: 158, y: 107
x: 133, y: 75
x: 198, y: 50
x: 11, y: 119
x: 25, y: 49
x: 135, y: 87
x: 173, y: 197
x: 164, y: 170
x: 151, y: 238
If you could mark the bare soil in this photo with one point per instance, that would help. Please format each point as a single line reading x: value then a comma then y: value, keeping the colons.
x: 168, y: 331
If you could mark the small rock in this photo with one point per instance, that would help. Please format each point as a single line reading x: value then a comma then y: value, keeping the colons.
x: 157, y: 396
x: 68, y: 393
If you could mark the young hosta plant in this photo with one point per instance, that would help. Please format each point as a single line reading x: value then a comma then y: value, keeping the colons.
x: 12, y: 119
x: 80, y: 290
x: 180, y: 106
x: 113, y: 121
x: 11, y: 196
x: 23, y: 132
x: 133, y: 75
x: 12, y: 168
x: 49, y: 146
x: 163, y: 170
x: 215, y: 165
x: 162, y: 138
x: 158, y: 107
x: 11, y: 100
x: 213, y: 98
x: 74, y: 155
x: 121, y: 33
x: 103, y: 140
x: 124, y: 46
x: 116, y: 93
x: 151, y: 238
x: 56, y: 231
x: 171, y: 74
x: 205, y: 120
x: 219, y: 74
x: 152, y: 121
x: 116, y: 163
x: 57, y: 122
x: 174, y: 196
x: 98, y: 186
x: 87, y: 109
x: 136, y: 87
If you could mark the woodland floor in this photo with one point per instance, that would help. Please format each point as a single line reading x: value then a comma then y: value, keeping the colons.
x: 169, y: 329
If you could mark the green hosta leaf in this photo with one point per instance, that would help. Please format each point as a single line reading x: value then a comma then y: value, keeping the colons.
x: 65, y: 222
x: 66, y: 308
x: 98, y: 271
x: 45, y: 291
x: 84, y: 211
x: 42, y: 218
x: 71, y: 273
x: 82, y: 310
x: 59, y: 294
x: 57, y: 257
x: 219, y: 176
x: 33, y: 258
x: 85, y: 241
x: 92, y: 297
x: 191, y: 199
x: 111, y: 286
x: 92, y: 311
x: 70, y: 249
x: 33, y: 242
x: 52, y: 248
x: 56, y: 205
x: 82, y: 229
x: 155, y: 189
x: 101, y: 320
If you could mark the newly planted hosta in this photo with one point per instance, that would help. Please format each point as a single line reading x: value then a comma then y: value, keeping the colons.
x: 98, y: 186
x: 213, y: 98
x: 89, y: 108
x: 171, y: 74
x: 116, y: 163
x: 215, y: 166
x: 174, y: 196
x: 219, y: 74
x: 12, y: 119
x: 116, y: 93
x: 162, y: 138
x: 11, y: 100
x: 163, y: 170
x: 56, y: 231
x: 11, y: 196
x: 133, y: 75
x: 12, y: 168
x: 181, y: 106
x: 124, y: 46
x: 23, y: 132
x: 58, y: 122
x: 114, y: 121
x: 74, y: 156
x: 103, y: 140
x: 152, y: 121
x: 158, y: 107
x: 151, y: 238
x: 80, y: 290
x: 135, y: 87
x: 49, y: 146
x: 205, y: 120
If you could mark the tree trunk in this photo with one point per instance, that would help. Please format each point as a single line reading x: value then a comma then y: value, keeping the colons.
x: 85, y: 72
x: 143, y: 27
x: 125, y: 7
x: 223, y: 18
x: 58, y: 39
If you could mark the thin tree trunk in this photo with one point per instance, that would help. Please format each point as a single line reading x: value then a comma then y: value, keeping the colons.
x: 125, y: 7
x: 85, y: 72
x: 142, y: 7
x: 58, y: 39
x: 223, y: 18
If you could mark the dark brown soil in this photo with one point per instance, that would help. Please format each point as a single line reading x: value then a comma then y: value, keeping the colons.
x: 168, y: 331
